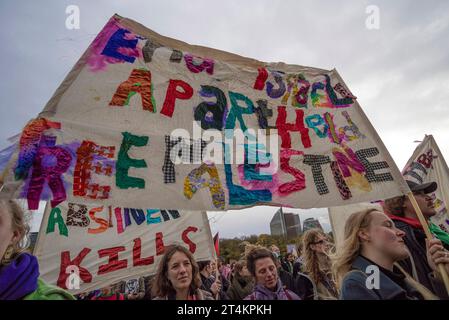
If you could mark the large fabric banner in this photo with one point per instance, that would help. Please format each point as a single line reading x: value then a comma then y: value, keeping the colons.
x: 82, y: 248
x: 427, y: 164
x: 145, y: 120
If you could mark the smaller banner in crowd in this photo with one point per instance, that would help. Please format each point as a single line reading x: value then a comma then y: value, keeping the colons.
x: 291, y: 248
x: 84, y: 247
x: 427, y: 164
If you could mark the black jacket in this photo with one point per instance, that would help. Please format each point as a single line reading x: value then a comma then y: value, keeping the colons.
x: 207, y: 284
x: 304, y: 287
x: 286, y: 279
x: 415, y: 241
x: 297, y: 267
x: 287, y: 266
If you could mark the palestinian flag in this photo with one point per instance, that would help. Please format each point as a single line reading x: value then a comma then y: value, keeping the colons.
x: 216, y: 244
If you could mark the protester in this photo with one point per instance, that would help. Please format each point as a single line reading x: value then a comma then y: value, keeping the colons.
x: 19, y: 271
x: 287, y: 263
x: 284, y: 270
x: 232, y: 264
x: 405, y: 218
x: 298, y: 263
x: 317, y: 268
x: 178, y: 277
x: 261, y: 263
x: 242, y: 283
x: 213, y: 267
x: 371, y: 241
x: 209, y: 282
x: 275, y: 250
x: 225, y: 272
x: 285, y: 277
x: 304, y: 286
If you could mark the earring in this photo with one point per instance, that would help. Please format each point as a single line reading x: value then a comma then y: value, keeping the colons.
x: 8, y: 255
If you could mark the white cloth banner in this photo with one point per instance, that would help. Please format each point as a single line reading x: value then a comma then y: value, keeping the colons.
x: 147, y: 120
x: 339, y: 215
x: 104, y: 245
x: 427, y: 164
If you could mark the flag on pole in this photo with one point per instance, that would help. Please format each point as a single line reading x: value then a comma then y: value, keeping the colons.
x: 427, y: 164
x: 217, y: 244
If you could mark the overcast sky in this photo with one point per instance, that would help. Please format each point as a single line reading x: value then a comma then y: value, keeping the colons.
x: 399, y: 72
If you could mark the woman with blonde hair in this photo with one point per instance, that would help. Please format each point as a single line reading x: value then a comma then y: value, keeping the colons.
x: 317, y: 268
x: 372, y: 246
x: 178, y: 277
x: 19, y: 271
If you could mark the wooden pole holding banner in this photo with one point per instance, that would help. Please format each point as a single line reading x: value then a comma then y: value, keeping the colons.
x: 217, y: 274
x: 429, y: 236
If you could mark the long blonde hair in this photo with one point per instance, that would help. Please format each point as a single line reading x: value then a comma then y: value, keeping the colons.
x: 19, y: 222
x: 351, y: 245
x: 312, y: 265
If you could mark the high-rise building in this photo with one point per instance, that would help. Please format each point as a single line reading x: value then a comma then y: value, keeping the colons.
x: 311, y: 223
x: 293, y: 225
x: 277, y: 224
x: 285, y: 224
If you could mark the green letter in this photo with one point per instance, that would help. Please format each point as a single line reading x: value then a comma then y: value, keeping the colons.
x: 55, y: 217
x: 124, y: 162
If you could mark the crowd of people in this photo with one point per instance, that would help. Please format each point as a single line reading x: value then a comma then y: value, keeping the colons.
x: 391, y: 240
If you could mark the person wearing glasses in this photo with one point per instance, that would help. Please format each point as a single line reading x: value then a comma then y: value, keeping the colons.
x: 401, y: 211
x: 316, y: 283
